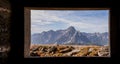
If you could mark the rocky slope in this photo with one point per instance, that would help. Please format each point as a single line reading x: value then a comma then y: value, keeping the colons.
x: 69, y: 51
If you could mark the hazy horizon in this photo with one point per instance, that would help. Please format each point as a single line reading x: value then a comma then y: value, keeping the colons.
x: 89, y: 21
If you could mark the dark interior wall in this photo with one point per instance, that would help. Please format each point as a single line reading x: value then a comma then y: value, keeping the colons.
x: 26, y: 32
x: 5, y: 13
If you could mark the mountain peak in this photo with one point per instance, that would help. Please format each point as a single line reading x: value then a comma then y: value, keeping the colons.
x: 50, y: 31
x: 70, y: 36
x: 71, y: 28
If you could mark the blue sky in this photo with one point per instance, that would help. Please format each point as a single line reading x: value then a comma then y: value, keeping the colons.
x: 89, y: 21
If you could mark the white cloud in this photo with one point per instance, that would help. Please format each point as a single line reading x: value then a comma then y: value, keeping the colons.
x: 43, y: 18
x: 38, y: 29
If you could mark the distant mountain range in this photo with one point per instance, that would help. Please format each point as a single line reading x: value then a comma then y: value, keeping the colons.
x: 70, y: 36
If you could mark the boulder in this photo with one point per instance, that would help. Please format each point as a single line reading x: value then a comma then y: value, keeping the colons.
x: 34, y: 54
x: 44, y: 49
x: 90, y: 49
x: 65, y: 50
x: 103, y: 53
x: 72, y: 52
x: 35, y: 49
x: 52, y: 49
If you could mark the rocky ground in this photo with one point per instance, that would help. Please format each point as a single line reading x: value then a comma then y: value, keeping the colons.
x: 69, y: 51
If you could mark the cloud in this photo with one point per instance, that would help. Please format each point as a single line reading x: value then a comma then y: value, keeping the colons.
x: 42, y: 20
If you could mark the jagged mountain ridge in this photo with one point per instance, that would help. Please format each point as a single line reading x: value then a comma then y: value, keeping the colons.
x: 69, y: 36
